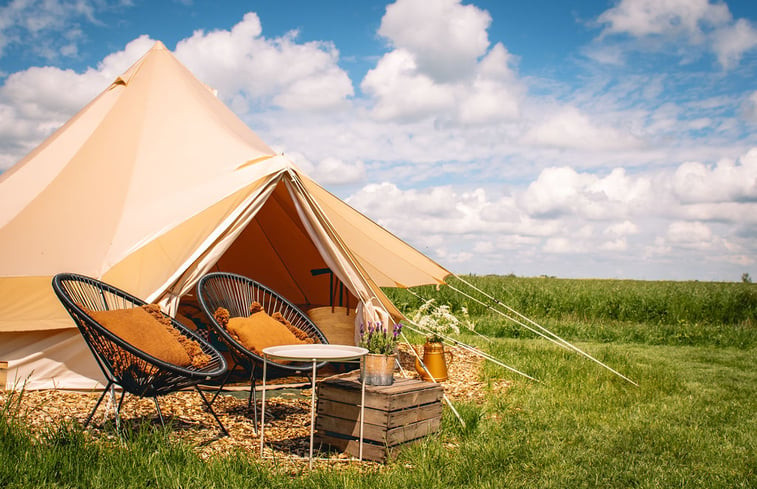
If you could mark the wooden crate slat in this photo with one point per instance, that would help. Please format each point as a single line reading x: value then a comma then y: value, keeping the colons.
x: 387, y: 398
x: 352, y: 411
x: 412, y: 431
x: 389, y: 419
x: 350, y: 427
x: 377, y: 453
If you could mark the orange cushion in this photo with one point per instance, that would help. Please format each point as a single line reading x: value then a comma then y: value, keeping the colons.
x: 260, y: 331
x: 142, y: 330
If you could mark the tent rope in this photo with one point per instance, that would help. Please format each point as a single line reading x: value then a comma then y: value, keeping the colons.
x: 437, y: 308
x: 559, y: 341
x: 417, y: 328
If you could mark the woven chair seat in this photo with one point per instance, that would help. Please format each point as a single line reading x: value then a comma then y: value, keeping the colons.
x: 144, y: 375
x: 236, y: 293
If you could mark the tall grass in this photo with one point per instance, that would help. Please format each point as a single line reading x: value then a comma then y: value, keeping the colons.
x: 684, y: 313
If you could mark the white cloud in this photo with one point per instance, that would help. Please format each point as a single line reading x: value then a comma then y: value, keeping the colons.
x: 571, y: 128
x: 564, y: 191
x: 622, y: 229
x: 619, y: 244
x: 696, y: 22
x: 442, y: 67
x: 330, y: 170
x: 245, y: 67
x: 730, y: 43
x: 670, y: 17
x: 446, y: 37
x: 689, y: 234
x: 563, y: 245
x: 634, y: 219
x: 727, y: 181
x: 402, y: 92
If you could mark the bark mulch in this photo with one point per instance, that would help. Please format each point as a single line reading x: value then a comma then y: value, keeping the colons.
x: 287, y: 429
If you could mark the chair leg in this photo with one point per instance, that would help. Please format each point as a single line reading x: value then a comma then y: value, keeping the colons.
x: 223, y: 382
x: 157, y: 407
x: 102, y: 396
x: 117, y: 407
x: 252, y: 399
x: 210, y: 408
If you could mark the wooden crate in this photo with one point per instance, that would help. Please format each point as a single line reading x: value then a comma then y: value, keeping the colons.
x: 395, y: 415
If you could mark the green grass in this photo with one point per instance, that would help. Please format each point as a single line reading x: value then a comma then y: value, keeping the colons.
x: 690, y: 423
x: 627, y: 311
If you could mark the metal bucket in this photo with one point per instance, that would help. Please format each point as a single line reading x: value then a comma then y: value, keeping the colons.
x: 377, y: 369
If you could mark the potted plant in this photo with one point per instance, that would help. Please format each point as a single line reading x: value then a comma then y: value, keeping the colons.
x: 377, y: 367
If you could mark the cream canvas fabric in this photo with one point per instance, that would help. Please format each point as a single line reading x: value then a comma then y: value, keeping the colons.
x: 150, y: 186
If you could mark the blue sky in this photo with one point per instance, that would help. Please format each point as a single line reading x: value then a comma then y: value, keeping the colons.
x: 575, y: 139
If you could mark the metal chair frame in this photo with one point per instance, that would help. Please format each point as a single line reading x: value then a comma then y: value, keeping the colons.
x: 145, y: 376
x: 235, y: 293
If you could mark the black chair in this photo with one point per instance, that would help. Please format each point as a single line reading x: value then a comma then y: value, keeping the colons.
x: 146, y: 376
x: 235, y: 293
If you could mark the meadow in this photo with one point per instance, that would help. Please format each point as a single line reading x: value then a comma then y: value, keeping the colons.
x: 691, y: 422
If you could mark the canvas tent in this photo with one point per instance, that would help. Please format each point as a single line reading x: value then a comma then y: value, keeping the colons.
x: 153, y: 184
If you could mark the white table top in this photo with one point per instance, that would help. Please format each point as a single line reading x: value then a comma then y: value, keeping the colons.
x: 315, y: 352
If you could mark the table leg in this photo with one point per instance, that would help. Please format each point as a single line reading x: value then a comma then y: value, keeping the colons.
x: 362, y: 416
x: 262, y: 407
x: 312, y: 415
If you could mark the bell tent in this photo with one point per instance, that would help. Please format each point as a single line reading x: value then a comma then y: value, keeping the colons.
x: 150, y: 186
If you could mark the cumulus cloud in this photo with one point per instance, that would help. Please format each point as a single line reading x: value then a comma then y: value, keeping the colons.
x: 402, y: 92
x: 445, y: 37
x: 638, y: 219
x: 726, y: 181
x: 563, y: 191
x: 697, y: 22
x: 442, y: 66
x: 248, y: 68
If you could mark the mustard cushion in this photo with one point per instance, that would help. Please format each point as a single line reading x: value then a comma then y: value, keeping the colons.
x: 197, y: 358
x: 260, y: 331
x: 142, y: 330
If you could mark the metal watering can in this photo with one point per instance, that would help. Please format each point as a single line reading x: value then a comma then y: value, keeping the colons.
x: 435, y: 361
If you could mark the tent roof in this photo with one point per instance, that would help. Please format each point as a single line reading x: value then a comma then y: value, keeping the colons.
x: 154, y: 148
x: 142, y: 181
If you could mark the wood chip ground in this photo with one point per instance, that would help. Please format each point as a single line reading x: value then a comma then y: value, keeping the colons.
x: 287, y: 411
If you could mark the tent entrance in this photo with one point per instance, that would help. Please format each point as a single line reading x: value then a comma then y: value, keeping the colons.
x: 276, y: 250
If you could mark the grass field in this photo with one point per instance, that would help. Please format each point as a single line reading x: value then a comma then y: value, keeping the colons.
x: 690, y: 423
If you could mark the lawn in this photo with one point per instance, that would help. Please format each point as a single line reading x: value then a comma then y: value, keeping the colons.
x: 690, y: 423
